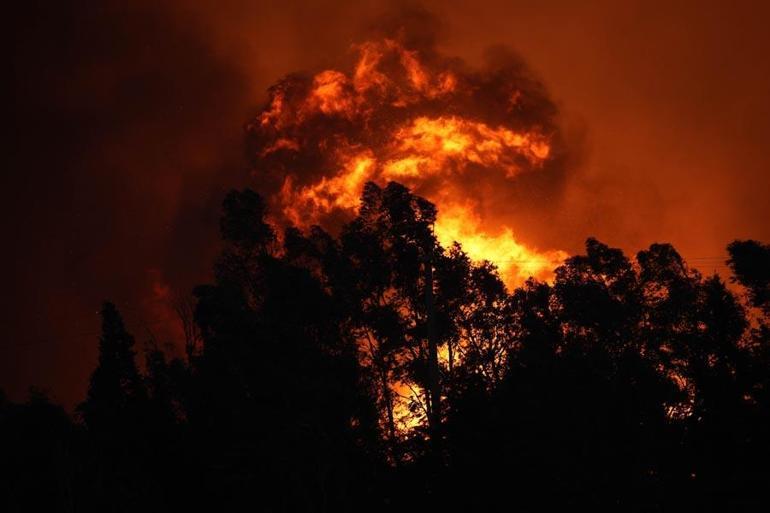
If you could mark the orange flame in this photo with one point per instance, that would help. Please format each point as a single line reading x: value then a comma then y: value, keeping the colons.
x: 435, y: 146
x: 515, y: 261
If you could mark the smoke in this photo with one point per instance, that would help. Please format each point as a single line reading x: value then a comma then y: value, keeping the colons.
x: 479, y: 141
x: 127, y: 129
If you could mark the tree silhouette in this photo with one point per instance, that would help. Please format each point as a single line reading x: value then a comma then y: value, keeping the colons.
x: 115, y: 414
x: 42, y: 466
x: 750, y: 263
x: 116, y: 389
x: 377, y: 369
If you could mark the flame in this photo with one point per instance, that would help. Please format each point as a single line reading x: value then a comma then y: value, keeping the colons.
x: 396, y: 116
x: 515, y: 261
x: 328, y: 94
x: 342, y: 191
x: 368, y: 76
x: 429, y: 144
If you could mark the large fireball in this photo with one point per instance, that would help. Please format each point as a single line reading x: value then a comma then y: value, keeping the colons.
x: 454, y: 136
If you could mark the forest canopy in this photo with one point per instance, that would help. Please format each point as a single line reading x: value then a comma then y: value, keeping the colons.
x: 375, y: 368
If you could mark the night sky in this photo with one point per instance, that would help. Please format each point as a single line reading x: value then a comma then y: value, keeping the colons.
x: 127, y: 130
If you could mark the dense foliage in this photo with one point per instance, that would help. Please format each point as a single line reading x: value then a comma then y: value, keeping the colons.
x: 625, y: 385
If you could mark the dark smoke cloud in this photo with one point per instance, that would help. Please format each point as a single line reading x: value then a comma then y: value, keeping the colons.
x: 126, y: 128
x: 126, y: 125
x: 290, y: 138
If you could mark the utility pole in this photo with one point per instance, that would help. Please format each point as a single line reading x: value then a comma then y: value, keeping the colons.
x: 434, y: 387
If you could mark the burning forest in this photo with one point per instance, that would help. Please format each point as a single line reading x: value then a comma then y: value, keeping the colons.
x: 380, y: 328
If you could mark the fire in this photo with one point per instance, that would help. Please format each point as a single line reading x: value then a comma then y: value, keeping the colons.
x: 328, y: 94
x: 339, y: 192
x: 430, y: 145
x: 367, y: 75
x: 406, y: 115
x: 515, y: 261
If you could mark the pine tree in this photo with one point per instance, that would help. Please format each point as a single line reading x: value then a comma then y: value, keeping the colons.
x: 116, y: 389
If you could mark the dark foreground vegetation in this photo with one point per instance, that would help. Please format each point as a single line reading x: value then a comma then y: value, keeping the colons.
x: 378, y: 371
